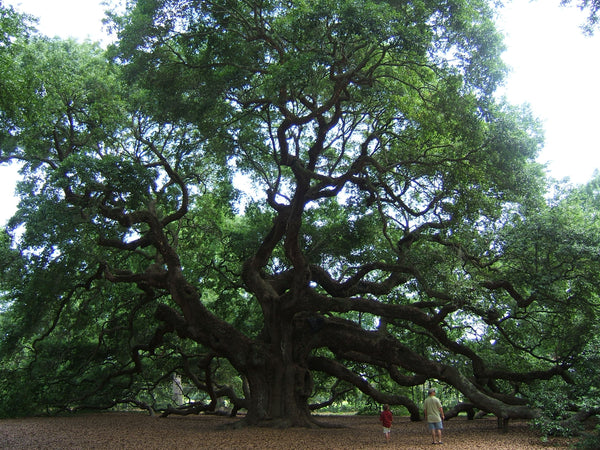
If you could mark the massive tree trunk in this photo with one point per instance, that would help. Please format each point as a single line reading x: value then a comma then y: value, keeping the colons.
x: 278, y: 382
x: 278, y: 395
x: 281, y: 384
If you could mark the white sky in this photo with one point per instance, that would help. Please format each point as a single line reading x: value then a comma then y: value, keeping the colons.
x: 555, y: 68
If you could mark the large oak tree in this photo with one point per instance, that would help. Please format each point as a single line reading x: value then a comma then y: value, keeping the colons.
x: 384, y: 235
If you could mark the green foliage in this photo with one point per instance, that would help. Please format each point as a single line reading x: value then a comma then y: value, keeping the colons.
x: 14, y: 31
x: 589, y: 441
x: 396, y: 225
x: 554, y: 403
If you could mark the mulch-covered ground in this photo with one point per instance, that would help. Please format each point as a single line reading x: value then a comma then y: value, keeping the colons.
x: 137, y: 431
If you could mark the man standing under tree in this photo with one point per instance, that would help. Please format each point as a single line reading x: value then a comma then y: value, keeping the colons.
x: 434, y: 415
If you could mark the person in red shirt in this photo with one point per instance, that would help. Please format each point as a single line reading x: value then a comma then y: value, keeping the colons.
x: 386, y: 418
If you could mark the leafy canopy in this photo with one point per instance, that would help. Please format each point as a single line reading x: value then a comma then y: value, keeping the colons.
x: 393, y: 229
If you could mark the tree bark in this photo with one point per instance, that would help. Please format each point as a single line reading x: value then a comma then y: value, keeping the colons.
x: 279, y: 394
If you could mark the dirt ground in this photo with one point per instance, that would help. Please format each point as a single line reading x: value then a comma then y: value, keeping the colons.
x: 137, y: 431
